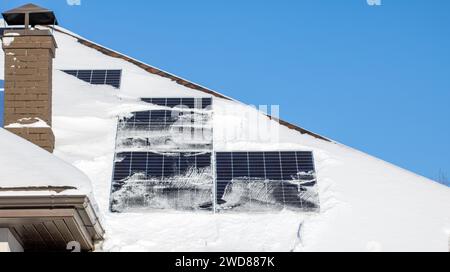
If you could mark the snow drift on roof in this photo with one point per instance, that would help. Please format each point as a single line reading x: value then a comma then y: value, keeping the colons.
x: 26, y: 166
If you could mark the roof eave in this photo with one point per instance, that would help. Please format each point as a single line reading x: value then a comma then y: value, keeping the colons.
x: 26, y: 209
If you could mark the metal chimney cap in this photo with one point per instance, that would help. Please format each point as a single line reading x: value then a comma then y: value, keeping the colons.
x: 37, y: 16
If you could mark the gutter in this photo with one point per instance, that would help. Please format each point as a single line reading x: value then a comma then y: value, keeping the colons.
x: 34, y: 206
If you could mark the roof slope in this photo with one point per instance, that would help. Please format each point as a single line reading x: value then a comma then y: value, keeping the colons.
x: 178, y: 80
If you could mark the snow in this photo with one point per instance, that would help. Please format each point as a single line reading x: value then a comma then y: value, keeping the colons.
x: 181, y: 232
x: 184, y: 192
x: 2, y: 66
x: 366, y: 204
x: 9, y: 38
x: 24, y: 165
x: 27, y: 123
x: 13, y: 34
x: 7, y: 41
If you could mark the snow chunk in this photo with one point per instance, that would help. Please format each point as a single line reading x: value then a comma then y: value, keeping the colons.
x: 15, y: 34
x: 7, y: 41
x: 28, y: 123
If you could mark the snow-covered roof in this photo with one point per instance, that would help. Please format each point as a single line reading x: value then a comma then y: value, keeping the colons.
x: 28, y: 169
x: 366, y: 203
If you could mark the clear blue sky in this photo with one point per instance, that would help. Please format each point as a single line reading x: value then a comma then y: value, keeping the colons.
x: 374, y: 78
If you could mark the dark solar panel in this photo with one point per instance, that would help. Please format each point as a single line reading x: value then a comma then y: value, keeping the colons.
x: 190, y: 103
x: 98, y: 77
x: 266, y: 179
x: 181, y: 181
x: 180, y: 124
x: 159, y: 120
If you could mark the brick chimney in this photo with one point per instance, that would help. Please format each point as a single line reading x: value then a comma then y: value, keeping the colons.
x: 29, y: 55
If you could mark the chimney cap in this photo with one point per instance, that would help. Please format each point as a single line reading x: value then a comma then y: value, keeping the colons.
x: 36, y: 14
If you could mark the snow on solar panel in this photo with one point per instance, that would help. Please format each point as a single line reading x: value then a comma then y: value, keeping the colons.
x: 266, y: 180
x: 163, y: 157
x: 180, y: 181
x: 176, y: 124
x: 98, y: 77
x: 164, y: 161
x: 190, y: 103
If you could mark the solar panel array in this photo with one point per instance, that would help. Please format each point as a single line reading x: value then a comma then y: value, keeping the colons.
x: 180, y: 181
x: 163, y: 157
x: 156, y: 169
x: 98, y: 77
x: 266, y: 180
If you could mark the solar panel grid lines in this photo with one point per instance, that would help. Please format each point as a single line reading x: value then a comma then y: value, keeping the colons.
x: 179, y: 180
x: 157, y: 118
x: 158, y: 165
x: 181, y: 123
x: 98, y: 77
x: 162, y: 119
x: 285, y: 180
x: 186, y: 102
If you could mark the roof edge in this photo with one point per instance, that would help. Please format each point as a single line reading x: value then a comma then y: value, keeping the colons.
x: 56, y: 189
x: 81, y: 203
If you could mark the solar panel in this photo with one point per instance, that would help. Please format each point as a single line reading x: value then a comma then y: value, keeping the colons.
x: 179, y: 124
x: 190, y: 103
x: 266, y: 180
x: 98, y: 77
x: 180, y: 181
